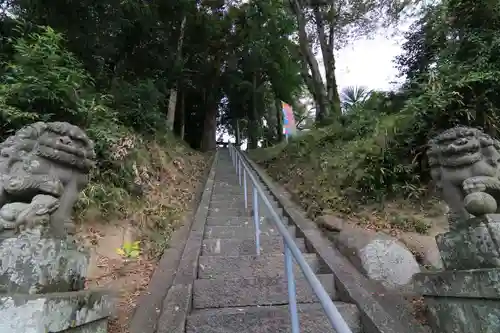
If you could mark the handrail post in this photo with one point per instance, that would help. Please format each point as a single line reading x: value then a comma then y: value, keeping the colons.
x: 256, y: 218
x: 238, y: 162
x: 239, y: 171
x: 292, y: 296
x: 336, y: 320
x: 245, y: 188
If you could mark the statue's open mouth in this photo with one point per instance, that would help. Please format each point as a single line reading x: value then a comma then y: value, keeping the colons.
x: 67, y: 154
x: 68, y: 148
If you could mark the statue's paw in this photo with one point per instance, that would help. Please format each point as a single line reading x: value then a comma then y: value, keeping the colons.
x: 20, y: 228
x: 4, y: 225
x: 70, y: 227
x: 480, y: 203
x: 471, y: 186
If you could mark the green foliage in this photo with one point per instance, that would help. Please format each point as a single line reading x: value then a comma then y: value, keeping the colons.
x: 141, y: 105
x: 352, y: 97
x: 130, y: 250
x: 44, y: 82
x: 376, y: 150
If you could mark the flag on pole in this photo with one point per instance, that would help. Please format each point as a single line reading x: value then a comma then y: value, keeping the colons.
x: 288, y: 120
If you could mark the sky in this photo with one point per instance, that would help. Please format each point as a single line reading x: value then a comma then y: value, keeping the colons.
x: 368, y: 63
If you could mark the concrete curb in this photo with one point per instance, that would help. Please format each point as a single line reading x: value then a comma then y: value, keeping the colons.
x: 381, y: 312
x: 165, y: 276
x: 178, y: 301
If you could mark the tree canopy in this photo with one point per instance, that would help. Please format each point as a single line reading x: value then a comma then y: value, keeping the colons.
x: 198, y: 67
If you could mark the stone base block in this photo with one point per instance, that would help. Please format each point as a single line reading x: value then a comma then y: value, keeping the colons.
x: 474, y: 246
x: 466, y: 301
x: 75, y: 312
x: 33, y: 262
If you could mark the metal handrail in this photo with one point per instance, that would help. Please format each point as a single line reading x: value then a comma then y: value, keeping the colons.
x: 291, y: 251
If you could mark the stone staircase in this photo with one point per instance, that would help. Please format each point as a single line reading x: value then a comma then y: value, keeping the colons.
x: 237, y: 291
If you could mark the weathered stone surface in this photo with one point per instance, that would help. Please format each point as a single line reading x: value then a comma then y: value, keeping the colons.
x: 98, y: 326
x: 462, y: 301
x: 211, y: 267
x: 43, y: 167
x: 464, y: 316
x: 378, y: 256
x: 473, y: 246
x: 425, y: 246
x: 474, y: 283
x: 31, y: 263
x: 259, y: 290
x: 270, y: 319
x: 46, y: 158
x: 331, y: 223
x: 53, y: 313
x: 465, y: 165
x: 236, y: 247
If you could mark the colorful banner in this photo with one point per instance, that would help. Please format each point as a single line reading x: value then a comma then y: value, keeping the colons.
x: 288, y: 120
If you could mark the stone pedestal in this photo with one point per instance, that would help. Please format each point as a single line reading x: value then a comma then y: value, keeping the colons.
x: 466, y: 301
x: 54, y: 264
x: 475, y: 245
x: 72, y: 312
x: 466, y: 297
x: 41, y: 286
x: 43, y: 167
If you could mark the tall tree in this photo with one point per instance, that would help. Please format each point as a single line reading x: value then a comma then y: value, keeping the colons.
x: 330, y: 25
x: 172, y: 102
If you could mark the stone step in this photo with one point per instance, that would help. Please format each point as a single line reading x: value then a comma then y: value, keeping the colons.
x: 220, y: 195
x: 256, y: 290
x: 232, y: 186
x: 269, y: 264
x: 242, y: 232
x: 240, y: 206
x: 228, y: 182
x: 269, y: 319
x: 224, y: 211
x: 221, y: 198
x: 236, y: 247
x: 240, y: 221
x: 229, y: 221
x: 228, y: 192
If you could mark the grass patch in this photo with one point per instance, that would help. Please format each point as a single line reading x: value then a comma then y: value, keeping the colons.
x: 149, y: 183
x: 332, y: 171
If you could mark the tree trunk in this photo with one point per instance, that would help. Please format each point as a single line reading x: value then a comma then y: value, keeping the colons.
x: 238, y: 133
x: 180, y: 116
x: 319, y: 93
x: 326, y: 44
x: 279, y: 119
x: 173, y: 92
x: 253, y: 123
x: 208, y: 141
x: 172, y: 102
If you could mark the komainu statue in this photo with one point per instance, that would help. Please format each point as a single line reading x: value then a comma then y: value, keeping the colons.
x: 45, y: 158
x: 465, y: 164
x: 43, y: 168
